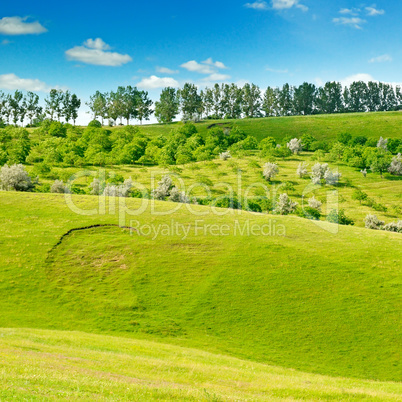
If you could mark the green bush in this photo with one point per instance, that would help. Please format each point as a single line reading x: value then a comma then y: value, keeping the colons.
x: 339, y: 217
x: 95, y: 123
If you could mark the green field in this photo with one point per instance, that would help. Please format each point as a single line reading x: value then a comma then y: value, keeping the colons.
x: 50, y: 365
x: 302, y: 297
x: 190, y: 302
x: 322, y: 127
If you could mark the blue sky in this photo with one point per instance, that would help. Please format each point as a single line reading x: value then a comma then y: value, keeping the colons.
x: 87, y: 46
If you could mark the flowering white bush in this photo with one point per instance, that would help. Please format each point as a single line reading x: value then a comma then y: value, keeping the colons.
x: 332, y: 178
x: 395, y: 167
x: 225, y: 155
x: 270, y: 170
x: 96, y: 187
x: 178, y: 196
x: 314, y: 203
x: 318, y: 172
x: 15, y: 178
x: 59, y: 187
x: 166, y: 190
x: 372, y: 222
x: 321, y: 171
x: 163, y: 189
x: 302, y: 170
x: 382, y: 143
x: 285, y: 205
x: 394, y: 227
x: 295, y: 145
x: 121, y: 190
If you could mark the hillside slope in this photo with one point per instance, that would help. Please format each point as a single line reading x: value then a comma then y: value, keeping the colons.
x: 38, y: 364
x: 303, y: 297
x: 322, y: 127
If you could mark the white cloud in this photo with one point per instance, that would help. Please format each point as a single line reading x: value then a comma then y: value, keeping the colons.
x: 95, y: 51
x: 20, y: 26
x: 196, y: 67
x: 97, y: 43
x: 217, y: 64
x: 216, y: 77
x: 351, y: 11
x: 357, y: 77
x: 207, y: 66
x: 373, y: 11
x: 258, y: 5
x: 285, y: 4
x: 11, y: 82
x: 154, y: 82
x: 381, y: 59
x: 354, y: 22
x: 273, y: 70
x: 276, y: 5
x: 165, y: 70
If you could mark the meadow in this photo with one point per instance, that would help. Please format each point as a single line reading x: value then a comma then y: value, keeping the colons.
x: 63, y: 365
x: 321, y: 302
x: 138, y: 299
x: 322, y: 127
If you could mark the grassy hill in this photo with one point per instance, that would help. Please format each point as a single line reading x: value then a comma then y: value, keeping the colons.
x: 322, y: 127
x: 302, y: 297
x: 47, y: 365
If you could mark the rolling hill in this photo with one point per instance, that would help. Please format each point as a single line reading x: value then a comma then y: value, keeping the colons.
x: 62, y: 365
x: 301, y: 296
x: 322, y: 127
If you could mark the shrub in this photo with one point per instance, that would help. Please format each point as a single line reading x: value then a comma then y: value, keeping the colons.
x: 163, y: 189
x: 359, y: 196
x: 95, y: 123
x: 312, y: 213
x: 302, y: 170
x: 295, y: 145
x: 270, y: 170
x: 178, y: 196
x: 372, y: 222
x: 393, y: 227
x: 96, y: 187
x: 57, y: 129
x: 332, y: 178
x: 285, y: 205
x: 395, y: 168
x: 59, y: 187
x: 287, y: 186
x: 382, y: 143
x: 225, y: 155
x: 318, y: 172
x: 15, y: 178
x: 267, y: 145
x: 314, y: 203
x: 339, y: 217
x: 122, y: 190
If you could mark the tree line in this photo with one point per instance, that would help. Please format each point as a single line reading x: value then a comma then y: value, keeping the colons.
x: 128, y: 103
x: 19, y: 108
x: 230, y: 101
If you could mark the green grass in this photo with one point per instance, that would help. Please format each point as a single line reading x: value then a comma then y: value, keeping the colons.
x: 322, y: 127
x: 304, y: 298
x: 54, y: 365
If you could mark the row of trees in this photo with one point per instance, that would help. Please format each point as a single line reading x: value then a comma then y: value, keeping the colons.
x: 233, y: 102
x: 19, y: 108
x: 127, y: 103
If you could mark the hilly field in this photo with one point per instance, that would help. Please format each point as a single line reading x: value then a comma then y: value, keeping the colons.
x: 291, y: 294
